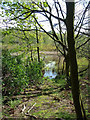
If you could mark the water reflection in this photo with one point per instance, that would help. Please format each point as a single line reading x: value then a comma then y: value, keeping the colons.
x: 53, y: 63
x: 50, y: 70
x: 50, y: 74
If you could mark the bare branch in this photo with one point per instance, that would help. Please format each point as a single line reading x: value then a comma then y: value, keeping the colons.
x: 84, y: 33
x: 83, y: 70
x: 60, y: 9
x: 59, y: 22
x: 81, y: 20
x: 20, y: 15
x: 58, y: 48
x: 57, y: 40
x: 83, y: 44
x: 51, y: 24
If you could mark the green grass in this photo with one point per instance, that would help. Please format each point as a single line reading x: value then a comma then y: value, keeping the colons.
x: 14, y: 103
x: 54, y: 104
x: 46, y: 104
x: 46, y: 107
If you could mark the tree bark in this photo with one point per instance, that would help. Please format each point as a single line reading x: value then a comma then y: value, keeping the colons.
x: 73, y: 61
x: 37, y: 44
x: 67, y: 69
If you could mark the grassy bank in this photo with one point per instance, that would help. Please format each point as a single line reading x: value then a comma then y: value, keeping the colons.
x: 51, y: 99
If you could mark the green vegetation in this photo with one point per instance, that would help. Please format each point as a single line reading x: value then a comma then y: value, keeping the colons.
x: 52, y: 100
x: 26, y: 46
x: 46, y: 97
x: 52, y: 96
x: 13, y: 74
x: 18, y: 73
x: 82, y: 63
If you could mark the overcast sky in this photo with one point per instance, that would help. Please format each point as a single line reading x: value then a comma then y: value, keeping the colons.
x: 79, y: 8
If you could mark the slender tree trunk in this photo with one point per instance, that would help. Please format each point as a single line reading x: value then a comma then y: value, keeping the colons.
x: 67, y: 69
x: 63, y: 67
x: 73, y: 61
x: 37, y: 44
x: 58, y: 64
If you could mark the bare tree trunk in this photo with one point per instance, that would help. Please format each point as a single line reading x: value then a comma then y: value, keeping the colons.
x: 73, y: 62
x: 67, y: 69
x: 63, y: 67
x: 37, y: 44
x: 58, y: 65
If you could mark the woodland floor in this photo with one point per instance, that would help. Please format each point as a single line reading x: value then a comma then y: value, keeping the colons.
x: 47, y: 100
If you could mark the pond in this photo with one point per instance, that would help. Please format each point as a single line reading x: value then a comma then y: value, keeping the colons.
x: 50, y: 70
x: 51, y: 64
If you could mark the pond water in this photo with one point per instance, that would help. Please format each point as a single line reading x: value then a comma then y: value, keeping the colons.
x: 50, y: 70
x: 50, y: 65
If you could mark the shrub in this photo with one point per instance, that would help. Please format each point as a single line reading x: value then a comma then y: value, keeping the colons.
x: 13, y: 72
x: 34, y: 70
x: 18, y: 73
